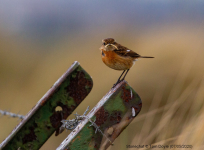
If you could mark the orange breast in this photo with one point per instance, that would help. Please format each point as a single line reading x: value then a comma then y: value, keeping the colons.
x: 115, y: 61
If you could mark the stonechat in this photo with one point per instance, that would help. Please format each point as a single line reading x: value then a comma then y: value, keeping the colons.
x: 118, y: 57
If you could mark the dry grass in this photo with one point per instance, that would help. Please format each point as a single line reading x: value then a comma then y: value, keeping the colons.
x: 171, y: 86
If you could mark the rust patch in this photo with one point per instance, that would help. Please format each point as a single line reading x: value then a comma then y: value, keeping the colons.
x: 101, y: 116
x: 126, y: 95
x: 43, y: 102
x: 57, y: 116
x: 137, y: 109
x: 30, y: 136
x: 116, y: 117
x: 55, y: 120
x: 76, y: 88
x: 140, y: 105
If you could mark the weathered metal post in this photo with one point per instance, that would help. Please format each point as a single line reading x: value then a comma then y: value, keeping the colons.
x: 43, y: 120
x: 111, y: 116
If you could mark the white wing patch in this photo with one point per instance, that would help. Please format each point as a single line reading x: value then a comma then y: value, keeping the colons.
x: 128, y: 50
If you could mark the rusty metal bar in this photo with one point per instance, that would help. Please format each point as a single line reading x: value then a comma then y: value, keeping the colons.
x: 43, y: 120
x: 112, y: 115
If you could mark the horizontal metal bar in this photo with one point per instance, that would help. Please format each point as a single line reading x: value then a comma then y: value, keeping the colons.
x: 43, y: 120
x: 111, y: 115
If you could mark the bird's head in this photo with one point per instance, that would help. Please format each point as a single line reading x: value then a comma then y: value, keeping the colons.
x: 109, y: 44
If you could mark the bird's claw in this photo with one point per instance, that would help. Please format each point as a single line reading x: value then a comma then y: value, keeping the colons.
x: 114, y: 85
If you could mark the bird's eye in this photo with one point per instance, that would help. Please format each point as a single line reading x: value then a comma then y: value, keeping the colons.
x: 104, y: 43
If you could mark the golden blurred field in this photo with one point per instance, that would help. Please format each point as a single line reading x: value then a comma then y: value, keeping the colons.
x: 171, y: 85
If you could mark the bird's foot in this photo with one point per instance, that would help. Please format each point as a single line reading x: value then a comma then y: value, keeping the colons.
x: 114, y: 85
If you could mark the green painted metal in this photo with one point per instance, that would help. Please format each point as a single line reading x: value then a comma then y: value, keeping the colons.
x: 112, y: 114
x: 43, y: 120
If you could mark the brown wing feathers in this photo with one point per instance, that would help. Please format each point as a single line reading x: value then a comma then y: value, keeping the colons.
x: 124, y: 51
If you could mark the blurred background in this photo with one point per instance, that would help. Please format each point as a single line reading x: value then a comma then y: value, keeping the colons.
x: 39, y: 40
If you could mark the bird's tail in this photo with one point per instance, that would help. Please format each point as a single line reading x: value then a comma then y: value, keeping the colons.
x: 146, y: 57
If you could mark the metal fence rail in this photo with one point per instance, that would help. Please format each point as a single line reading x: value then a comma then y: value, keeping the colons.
x: 97, y: 130
x: 110, y: 116
x: 43, y: 120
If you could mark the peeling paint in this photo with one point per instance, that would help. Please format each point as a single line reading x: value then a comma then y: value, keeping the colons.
x: 42, y: 121
x: 113, y: 111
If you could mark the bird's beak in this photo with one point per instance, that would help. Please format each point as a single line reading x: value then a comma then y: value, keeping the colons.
x: 111, y: 45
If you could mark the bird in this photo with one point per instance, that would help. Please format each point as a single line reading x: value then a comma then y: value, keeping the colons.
x: 118, y: 57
